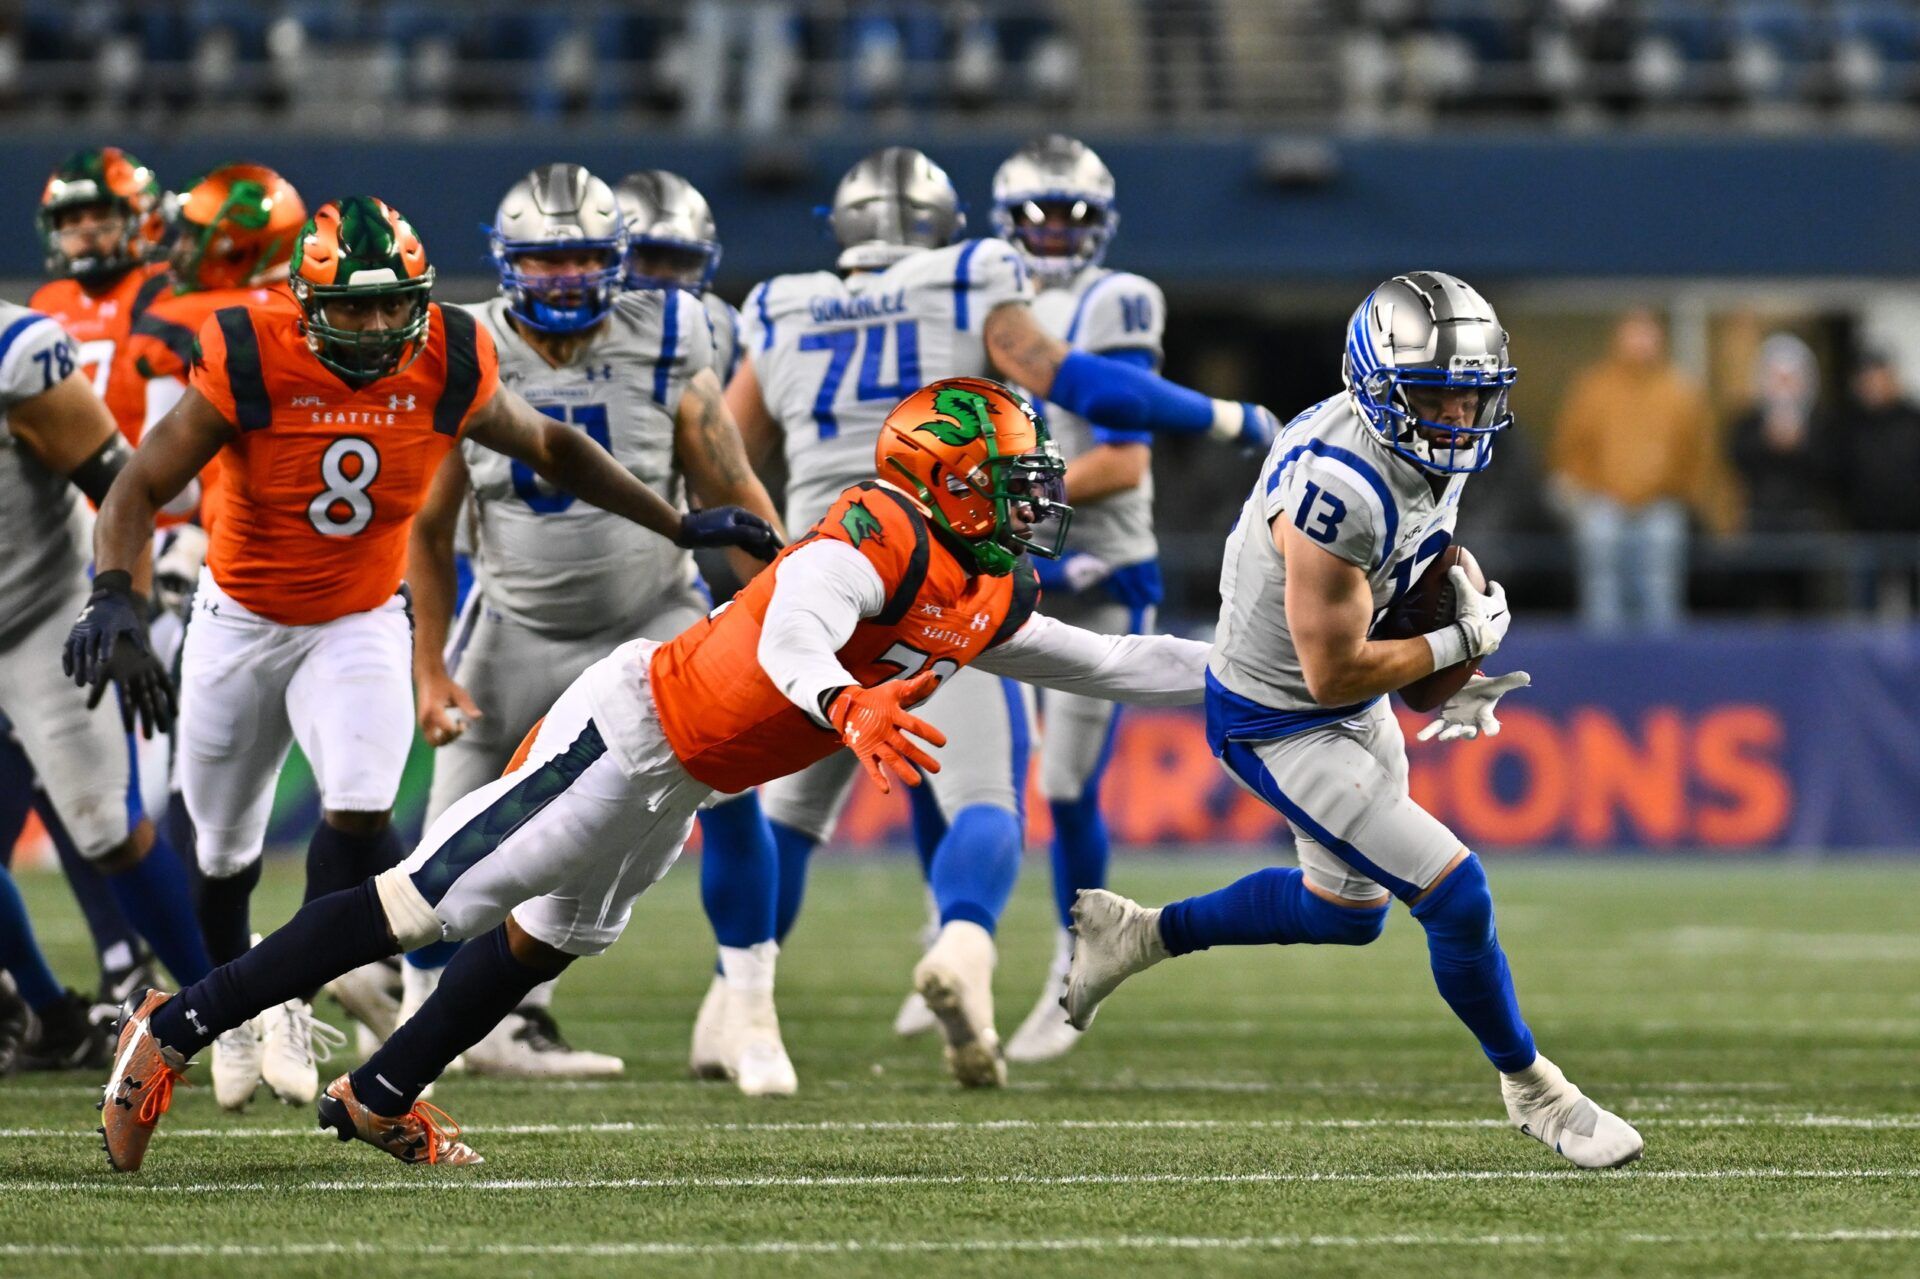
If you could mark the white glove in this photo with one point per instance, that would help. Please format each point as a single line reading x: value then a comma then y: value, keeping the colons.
x: 1483, y: 619
x: 1469, y: 712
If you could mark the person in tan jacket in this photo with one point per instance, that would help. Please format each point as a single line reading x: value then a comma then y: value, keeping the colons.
x: 1634, y: 450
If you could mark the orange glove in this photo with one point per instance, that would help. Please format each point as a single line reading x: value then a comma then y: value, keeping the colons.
x: 874, y: 724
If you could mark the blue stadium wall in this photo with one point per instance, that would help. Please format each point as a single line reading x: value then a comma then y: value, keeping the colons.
x: 1204, y: 211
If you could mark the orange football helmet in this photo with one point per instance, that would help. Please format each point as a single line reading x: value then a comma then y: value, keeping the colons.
x: 114, y: 178
x: 235, y: 228
x: 978, y: 458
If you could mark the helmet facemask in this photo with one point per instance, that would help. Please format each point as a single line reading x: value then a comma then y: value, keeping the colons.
x: 1440, y: 448
x: 365, y: 355
x: 663, y: 262
x: 570, y: 303
x: 1003, y: 506
x: 1058, y: 233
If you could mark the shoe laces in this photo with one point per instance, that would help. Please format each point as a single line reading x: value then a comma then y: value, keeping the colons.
x: 159, y: 1097
x: 541, y: 1032
x: 441, y: 1128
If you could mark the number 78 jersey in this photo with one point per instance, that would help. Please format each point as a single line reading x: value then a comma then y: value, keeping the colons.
x: 322, y: 480
x: 833, y: 355
x: 1329, y: 476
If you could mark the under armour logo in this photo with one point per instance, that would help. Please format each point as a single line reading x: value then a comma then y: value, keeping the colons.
x: 979, y: 622
x: 199, y: 1027
x: 400, y: 403
x: 604, y: 373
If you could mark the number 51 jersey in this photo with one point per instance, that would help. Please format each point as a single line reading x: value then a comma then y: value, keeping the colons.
x: 833, y: 355
x: 322, y: 479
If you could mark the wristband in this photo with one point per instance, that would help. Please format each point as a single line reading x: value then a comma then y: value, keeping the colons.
x: 1229, y: 416
x: 115, y: 581
x: 1449, y: 645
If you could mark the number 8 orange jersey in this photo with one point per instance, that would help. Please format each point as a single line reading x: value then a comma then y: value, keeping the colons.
x: 322, y: 480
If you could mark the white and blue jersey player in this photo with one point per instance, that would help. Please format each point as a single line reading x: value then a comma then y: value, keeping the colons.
x: 673, y: 243
x: 559, y: 583
x: 1054, y: 200
x: 827, y: 354
x: 1357, y: 494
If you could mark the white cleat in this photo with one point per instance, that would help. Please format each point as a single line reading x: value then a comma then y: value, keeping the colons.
x: 236, y: 1065
x: 527, y: 1044
x: 1046, y: 1034
x: 365, y: 996
x: 1113, y: 938
x: 955, y: 977
x: 290, y: 1044
x: 914, y: 1017
x: 1542, y: 1104
x: 708, y: 1058
x: 761, y: 1067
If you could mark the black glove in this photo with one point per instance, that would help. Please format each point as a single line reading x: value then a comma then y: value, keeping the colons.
x: 729, y: 526
x: 109, y: 643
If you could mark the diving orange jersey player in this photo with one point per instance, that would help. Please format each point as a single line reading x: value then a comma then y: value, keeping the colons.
x: 329, y: 420
x: 904, y: 581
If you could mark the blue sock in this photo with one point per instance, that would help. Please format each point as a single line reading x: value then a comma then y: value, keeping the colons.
x: 156, y: 899
x: 326, y: 937
x: 1270, y: 907
x: 114, y: 940
x: 482, y: 985
x: 794, y: 847
x: 739, y: 872
x: 978, y: 861
x: 338, y: 859
x: 225, y: 909
x: 433, y: 955
x: 1080, y: 849
x: 20, y: 953
x: 929, y: 827
x: 1469, y: 967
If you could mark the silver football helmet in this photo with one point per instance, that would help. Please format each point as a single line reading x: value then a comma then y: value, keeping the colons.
x: 1053, y: 198
x: 559, y: 208
x: 671, y: 238
x: 1426, y: 366
x: 892, y: 204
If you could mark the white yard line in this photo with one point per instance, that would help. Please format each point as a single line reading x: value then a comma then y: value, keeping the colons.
x: 241, y: 1132
x: 458, y: 1182
x: 892, y: 1247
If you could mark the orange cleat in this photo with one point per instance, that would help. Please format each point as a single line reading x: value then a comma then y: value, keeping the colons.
x: 140, y: 1088
x: 424, y: 1135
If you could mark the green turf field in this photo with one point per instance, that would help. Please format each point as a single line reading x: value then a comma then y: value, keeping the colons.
x: 1250, y: 1112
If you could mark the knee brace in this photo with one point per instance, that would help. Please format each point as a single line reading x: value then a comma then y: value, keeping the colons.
x: 1331, y: 925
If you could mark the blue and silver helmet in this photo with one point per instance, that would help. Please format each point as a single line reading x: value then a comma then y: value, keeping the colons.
x: 1426, y: 366
x: 1053, y: 199
x: 671, y: 239
x: 559, y: 210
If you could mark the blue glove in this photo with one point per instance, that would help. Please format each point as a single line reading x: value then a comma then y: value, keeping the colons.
x: 1071, y: 573
x: 1257, y: 429
x: 729, y: 526
x: 108, y: 642
x: 1137, y: 586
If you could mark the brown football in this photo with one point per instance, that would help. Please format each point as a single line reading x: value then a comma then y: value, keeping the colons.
x: 1428, y: 607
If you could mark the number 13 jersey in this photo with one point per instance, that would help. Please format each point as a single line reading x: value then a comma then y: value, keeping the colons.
x: 322, y: 480
x: 833, y: 355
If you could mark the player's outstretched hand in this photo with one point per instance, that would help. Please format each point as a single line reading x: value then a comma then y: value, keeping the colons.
x: 1252, y: 427
x: 445, y: 708
x: 1482, y: 616
x: 729, y: 526
x: 875, y: 725
x: 108, y: 643
x: 1469, y: 713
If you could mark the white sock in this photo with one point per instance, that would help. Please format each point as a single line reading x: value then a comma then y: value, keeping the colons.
x: 749, y: 968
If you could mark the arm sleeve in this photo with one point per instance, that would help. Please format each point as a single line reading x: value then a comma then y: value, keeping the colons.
x: 35, y: 354
x: 820, y: 593
x: 1332, y: 505
x: 1123, y: 398
x: 1146, y: 670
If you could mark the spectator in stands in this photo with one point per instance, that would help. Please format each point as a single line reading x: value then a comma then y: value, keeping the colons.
x: 1633, y: 451
x: 1879, y: 452
x: 1781, y: 446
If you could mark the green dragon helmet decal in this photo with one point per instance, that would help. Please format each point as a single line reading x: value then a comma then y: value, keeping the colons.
x: 353, y: 254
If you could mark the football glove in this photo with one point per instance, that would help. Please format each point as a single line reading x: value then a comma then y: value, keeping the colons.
x: 1483, y: 618
x: 1071, y: 573
x: 875, y: 725
x: 729, y: 526
x: 1469, y: 713
x: 108, y: 643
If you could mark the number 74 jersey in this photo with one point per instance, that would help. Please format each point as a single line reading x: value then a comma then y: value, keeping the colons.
x: 833, y: 355
x: 322, y: 479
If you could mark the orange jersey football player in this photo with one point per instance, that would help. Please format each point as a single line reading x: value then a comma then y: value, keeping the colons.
x: 102, y: 224
x: 329, y: 419
x: 904, y: 581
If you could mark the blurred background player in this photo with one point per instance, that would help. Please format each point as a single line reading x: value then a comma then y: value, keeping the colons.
x: 330, y: 418
x: 561, y: 584
x: 57, y: 436
x: 1359, y: 493
x: 673, y: 243
x: 827, y: 354
x: 102, y: 220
